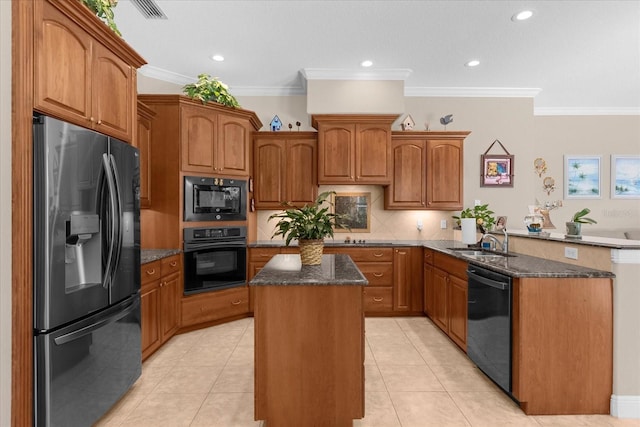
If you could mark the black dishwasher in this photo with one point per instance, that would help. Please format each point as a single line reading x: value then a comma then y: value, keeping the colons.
x: 489, y: 324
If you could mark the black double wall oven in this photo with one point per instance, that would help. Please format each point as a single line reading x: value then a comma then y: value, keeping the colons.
x: 214, y: 258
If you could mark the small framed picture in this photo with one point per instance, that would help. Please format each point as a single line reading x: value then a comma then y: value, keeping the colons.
x: 625, y: 177
x: 357, y: 209
x: 501, y: 223
x: 582, y: 177
x: 497, y: 170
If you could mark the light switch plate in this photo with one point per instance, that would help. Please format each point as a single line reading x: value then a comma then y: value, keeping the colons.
x: 571, y: 253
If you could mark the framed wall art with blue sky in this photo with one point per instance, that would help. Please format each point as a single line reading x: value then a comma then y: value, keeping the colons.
x: 582, y: 177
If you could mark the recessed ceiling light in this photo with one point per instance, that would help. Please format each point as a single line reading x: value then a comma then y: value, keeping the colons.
x: 522, y: 16
x: 218, y: 58
x: 366, y: 63
x: 472, y: 63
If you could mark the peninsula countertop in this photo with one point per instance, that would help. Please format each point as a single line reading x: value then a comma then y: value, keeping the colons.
x: 286, y: 270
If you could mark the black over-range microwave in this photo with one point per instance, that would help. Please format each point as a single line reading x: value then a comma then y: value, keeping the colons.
x: 214, y: 199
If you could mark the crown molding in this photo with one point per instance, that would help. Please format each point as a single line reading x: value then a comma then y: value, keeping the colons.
x: 355, y: 74
x: 586, y: 111
x: 164, y: 75
x: 473, y: 92
x: 267, y: 91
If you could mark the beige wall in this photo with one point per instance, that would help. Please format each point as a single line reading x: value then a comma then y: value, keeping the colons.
x: 5, y: 213
x: 355, y: 97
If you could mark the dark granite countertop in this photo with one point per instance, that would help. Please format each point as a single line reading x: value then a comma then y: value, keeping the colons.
x: 150, y: 255
x: 605, y: 242
x: 286, y: 269
x: 518, y: 265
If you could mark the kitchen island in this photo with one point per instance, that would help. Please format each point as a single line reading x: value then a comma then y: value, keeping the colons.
x: 309, y: 342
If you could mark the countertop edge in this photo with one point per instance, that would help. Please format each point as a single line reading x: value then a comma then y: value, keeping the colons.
x: 151, y: 255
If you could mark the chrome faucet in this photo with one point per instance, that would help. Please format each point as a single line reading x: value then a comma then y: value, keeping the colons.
x: 504, y: 245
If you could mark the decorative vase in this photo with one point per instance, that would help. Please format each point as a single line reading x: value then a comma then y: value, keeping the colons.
x: 574, y: 230
x: 311, y: 251
x: 468, y: 230
x: 534, y: 223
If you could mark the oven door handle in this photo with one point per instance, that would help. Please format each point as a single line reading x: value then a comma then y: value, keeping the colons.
x: 191, y: 247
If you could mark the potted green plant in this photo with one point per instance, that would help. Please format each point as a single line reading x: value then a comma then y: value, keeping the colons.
x: 484, y: 218
x: 309, y: 224
x: 104, y: 10
x: 574, y: 227
x: 209, y: 88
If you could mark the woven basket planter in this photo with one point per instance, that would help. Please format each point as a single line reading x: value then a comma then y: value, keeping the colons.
x: 311, y: 251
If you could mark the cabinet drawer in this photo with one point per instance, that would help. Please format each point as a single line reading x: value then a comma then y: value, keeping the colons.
x: 377, y: 273
x: 170, y: 265
x: 150, y: 271
x: 450, y: 264
x: 379, y: 298
x: 428, y: 256
x: 262, y: 254
x: 214, y: 305
x: 368, y: 254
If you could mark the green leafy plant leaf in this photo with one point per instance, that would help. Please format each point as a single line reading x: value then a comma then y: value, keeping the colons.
x: 104, y: 10
x: 209, y: 88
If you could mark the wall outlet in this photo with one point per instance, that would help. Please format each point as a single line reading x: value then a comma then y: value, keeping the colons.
x: 571, y: 253
x: 419, y: 225
x: 477, y: 202
x: 443, y: 224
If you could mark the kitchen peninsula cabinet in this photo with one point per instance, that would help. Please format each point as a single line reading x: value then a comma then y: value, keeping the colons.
x: 81, y: 74
x: 285, y: 169
x: 427, y: 170
x: 447, y: 285
x: 354, y: 148
x: 562, y: 357
x: 160, y: 302
x: 143, y: 142
x: 407, y: 285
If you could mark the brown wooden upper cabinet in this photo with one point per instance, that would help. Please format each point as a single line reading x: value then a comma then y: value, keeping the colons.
x: 143, y: 142
x: 86, y: 79
x: 427, y: 170
x: 285, y: 168
x: 214, y: 143
x: 354, y: 148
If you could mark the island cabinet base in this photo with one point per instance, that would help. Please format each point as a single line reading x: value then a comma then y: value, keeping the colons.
x: 563, y: 345
x: 309, y: 355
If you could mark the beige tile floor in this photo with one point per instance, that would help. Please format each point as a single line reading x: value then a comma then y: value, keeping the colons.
x: 415, y: 377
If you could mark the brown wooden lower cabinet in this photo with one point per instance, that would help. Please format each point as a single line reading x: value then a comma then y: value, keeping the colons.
x: 210, y: 306
x: 309, y: 353
x: 378, y: 299
x: 445, y: 290
x: 160, y: 302
x: 563, y: 345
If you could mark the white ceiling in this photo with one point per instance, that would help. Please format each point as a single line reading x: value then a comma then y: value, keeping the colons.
x: 574, y: 57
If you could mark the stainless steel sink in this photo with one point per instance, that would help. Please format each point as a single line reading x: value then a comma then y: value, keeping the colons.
x: 481, y: 254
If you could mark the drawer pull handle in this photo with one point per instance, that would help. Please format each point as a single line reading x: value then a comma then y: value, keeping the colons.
x: 236, y: 302
x: 378, y: 274
x: 173, y: 263
x: 378, y: 255
x: 150, y: 272
x: 378, y: 299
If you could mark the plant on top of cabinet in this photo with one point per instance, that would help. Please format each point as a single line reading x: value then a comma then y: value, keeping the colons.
x: 209, y: 88
x: 104, y: 10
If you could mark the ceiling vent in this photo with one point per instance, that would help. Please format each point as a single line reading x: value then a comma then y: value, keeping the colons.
x: 149, y: 9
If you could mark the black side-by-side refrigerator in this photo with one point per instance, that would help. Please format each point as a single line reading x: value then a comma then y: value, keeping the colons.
x: 86, y: 272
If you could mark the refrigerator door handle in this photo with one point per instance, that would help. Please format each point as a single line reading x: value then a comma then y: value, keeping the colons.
x: 112, y: 206
x: 71, y: 336
x: 118, y: 217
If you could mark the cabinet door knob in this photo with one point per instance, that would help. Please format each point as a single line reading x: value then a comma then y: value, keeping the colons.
x: 99, y: 122
x: 173, y: 263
